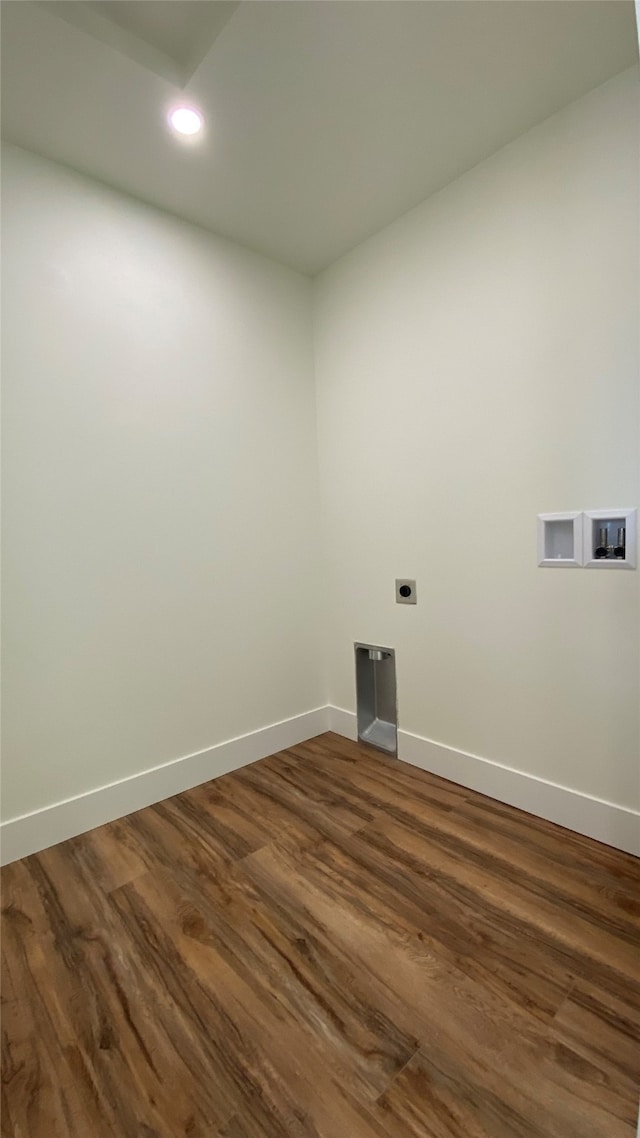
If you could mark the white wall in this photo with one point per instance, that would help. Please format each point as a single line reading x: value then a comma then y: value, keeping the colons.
x: 476, y: 364
x: 160, y: 488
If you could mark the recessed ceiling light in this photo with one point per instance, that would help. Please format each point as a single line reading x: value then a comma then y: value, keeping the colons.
x: 186, y: 120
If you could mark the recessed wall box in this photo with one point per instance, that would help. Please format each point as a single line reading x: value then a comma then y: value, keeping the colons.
x: 609, y: 538
x: 406, y: 593
x: 376, y: 697
x: 560, y: 540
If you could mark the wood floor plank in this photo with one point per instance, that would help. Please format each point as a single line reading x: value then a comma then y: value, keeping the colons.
x: 107, y: 856
x: 401, y: 970
x: 133, y: 1044
x: 327, y: 942
x: 604, y: 1029
x: 276, y: 814
x: 554, y: 1097
x: 33, y: 1100
x: 60, y: 1080
x: 263, y: 1052
x: 317, y: 803
x: 591, y: 944
x: 577, y: 851
x: 364, y: 872
x: 307, y: 988
x: 380, y: 779
x: 584, y: 885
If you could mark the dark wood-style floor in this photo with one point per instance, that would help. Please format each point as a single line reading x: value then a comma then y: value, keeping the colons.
x: 326, y: 944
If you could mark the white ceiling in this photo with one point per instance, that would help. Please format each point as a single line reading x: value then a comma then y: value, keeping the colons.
x: 325, y: 120
x: 170, y: 37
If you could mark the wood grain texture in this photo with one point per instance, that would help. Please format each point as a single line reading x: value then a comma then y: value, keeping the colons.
x: 325, y: 944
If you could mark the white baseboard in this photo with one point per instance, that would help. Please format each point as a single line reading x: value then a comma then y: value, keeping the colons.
x: 343, y: 722
x: 606, y: 822
x: 52, y: 824
x: 594, y: 817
